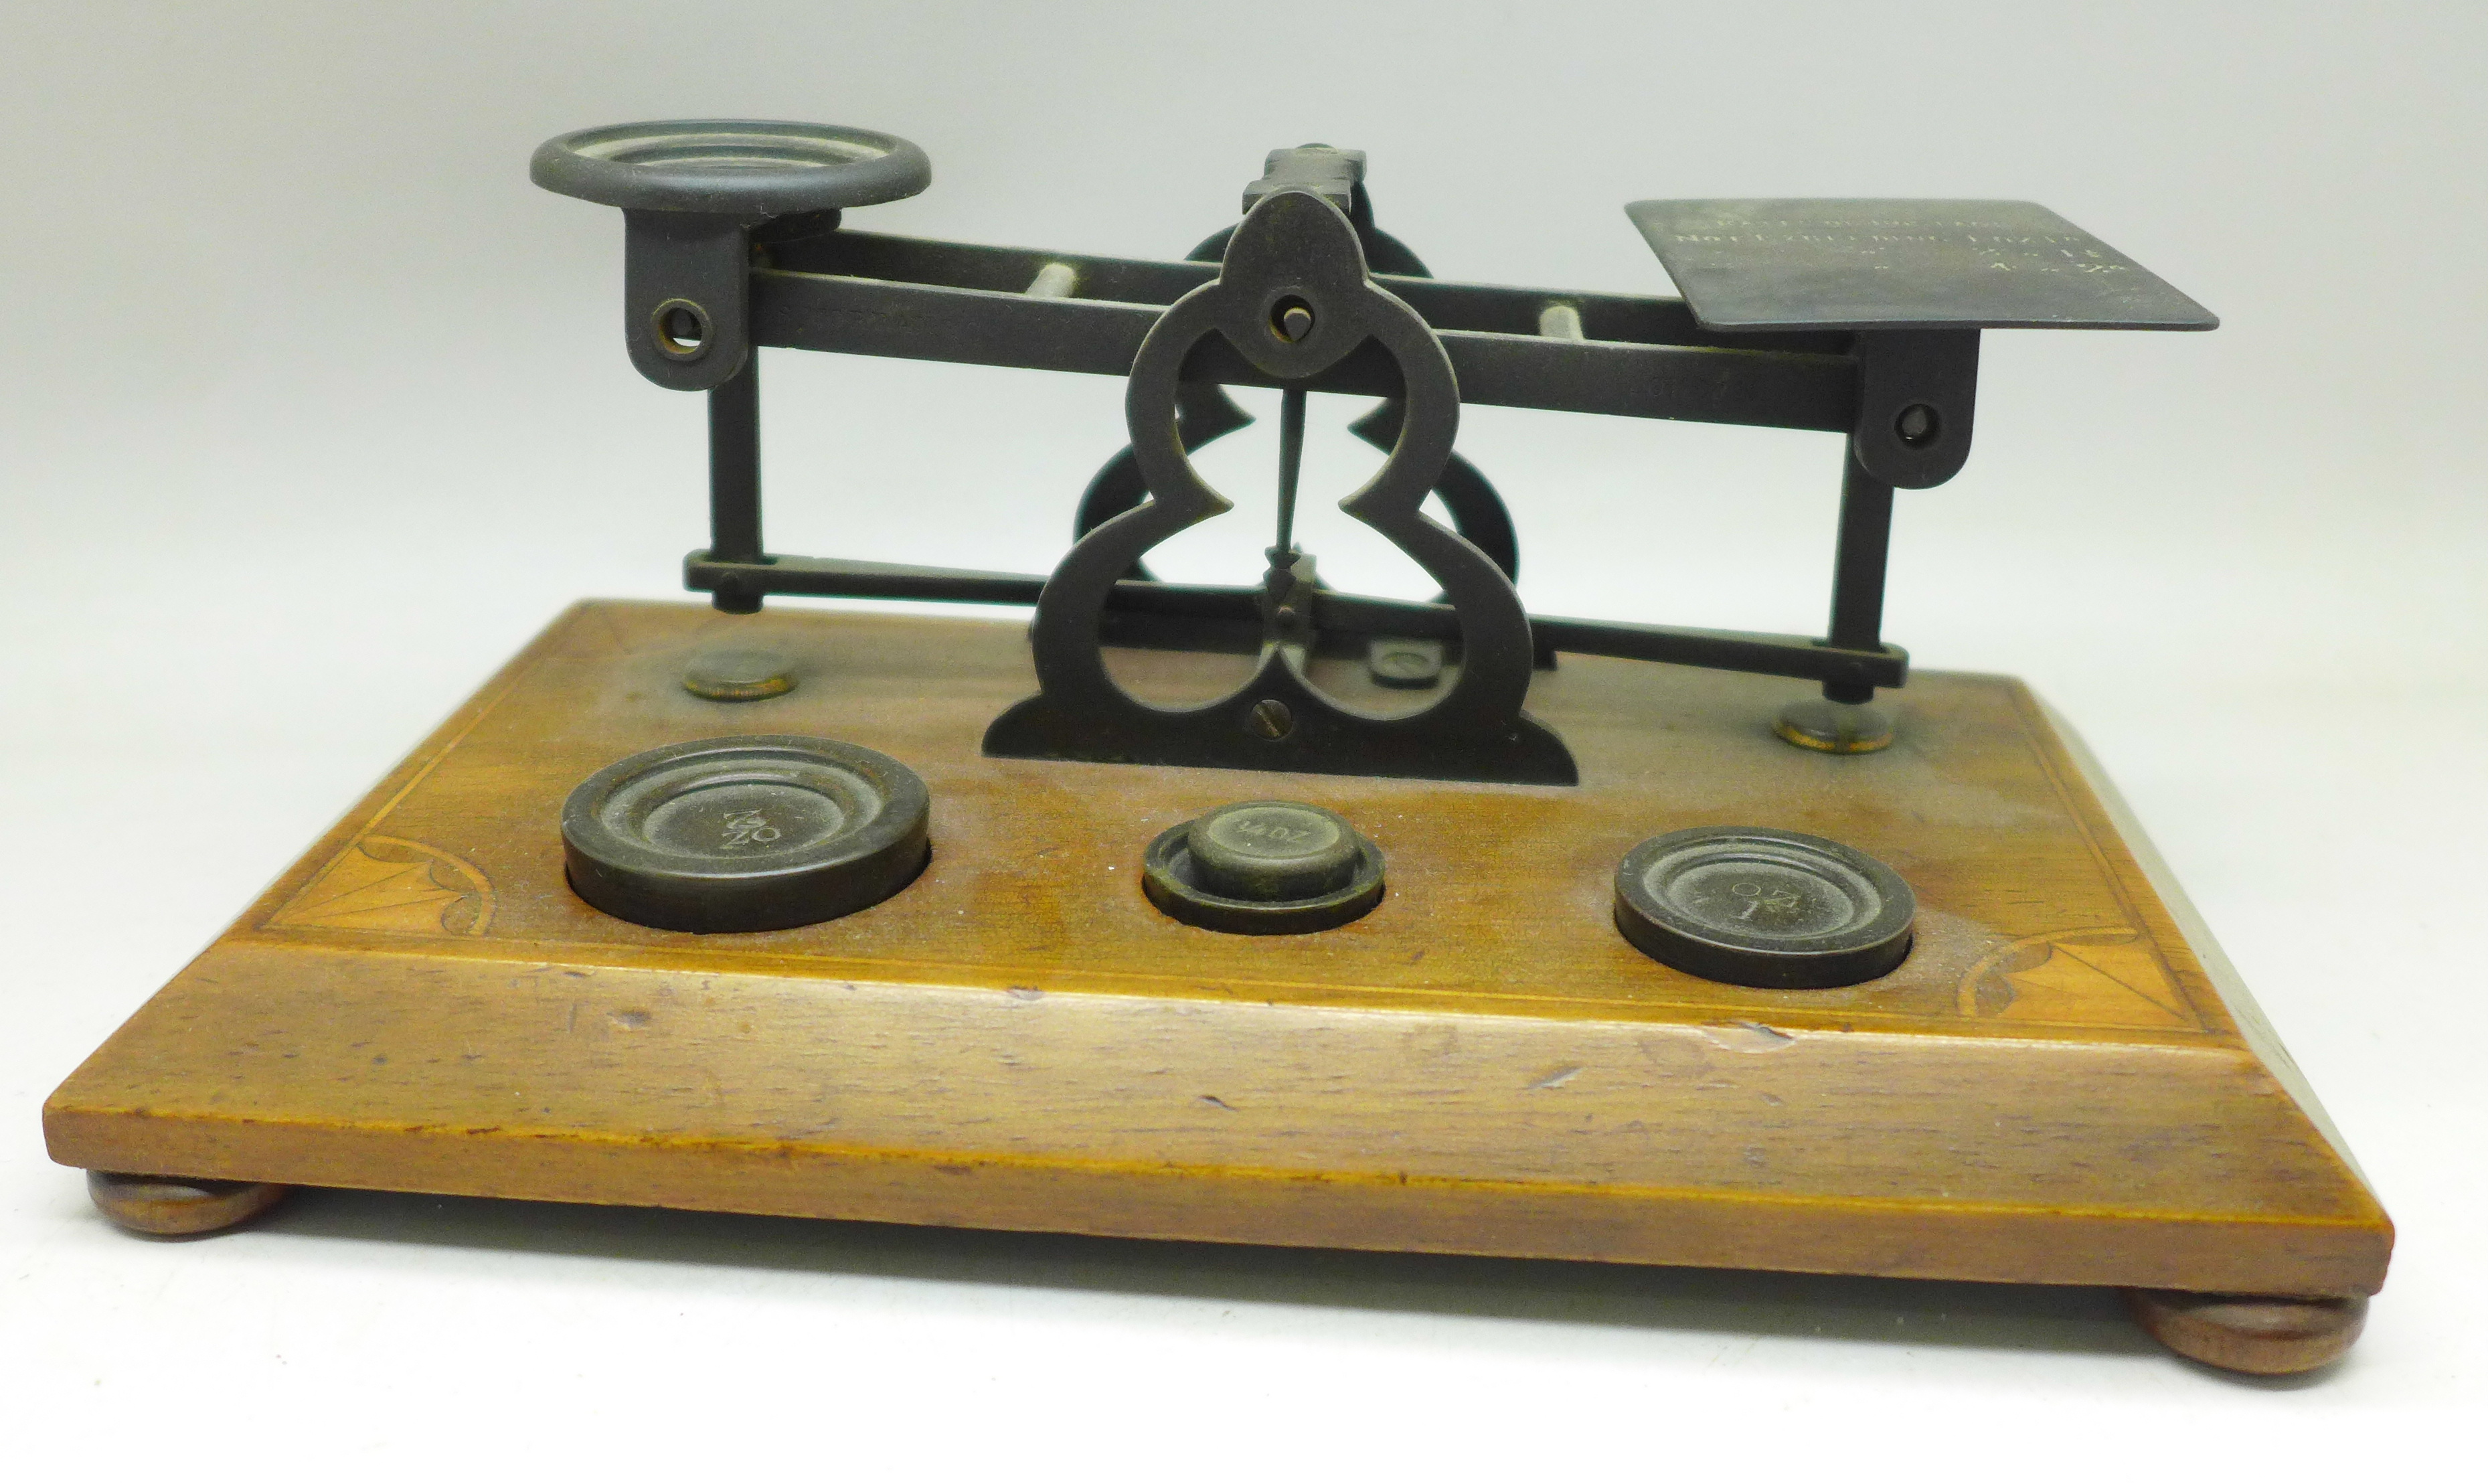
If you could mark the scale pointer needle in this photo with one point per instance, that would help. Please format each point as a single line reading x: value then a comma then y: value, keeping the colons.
x: 1292, y: 454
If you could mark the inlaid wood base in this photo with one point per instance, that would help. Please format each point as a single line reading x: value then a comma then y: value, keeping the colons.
x: 2260, y: 1337
x: 169, y: 1205
x: 2062, y: 1083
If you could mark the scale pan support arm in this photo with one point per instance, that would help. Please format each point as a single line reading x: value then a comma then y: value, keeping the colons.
x: 1915, y: 282
x: 691, y: 191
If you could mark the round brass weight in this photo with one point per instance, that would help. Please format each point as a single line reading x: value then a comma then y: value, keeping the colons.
x: 1767, y: 908
x: 171, y: 1205
x: 745, y: 834
x: 2259, y: 1336
x: 1263, y: 866
x: 1830, y: 727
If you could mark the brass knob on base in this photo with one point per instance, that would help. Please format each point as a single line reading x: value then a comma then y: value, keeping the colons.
x: 1825, y: 725
x: 738, y: 674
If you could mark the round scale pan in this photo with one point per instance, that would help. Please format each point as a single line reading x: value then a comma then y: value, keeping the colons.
x: 756, y: 168
x: 745, y: 834
x: 1769, y: 909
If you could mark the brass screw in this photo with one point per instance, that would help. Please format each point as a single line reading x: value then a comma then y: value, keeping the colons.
x: 1270, y: 720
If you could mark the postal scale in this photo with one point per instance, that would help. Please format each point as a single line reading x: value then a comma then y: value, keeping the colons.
x: 1455, y: 927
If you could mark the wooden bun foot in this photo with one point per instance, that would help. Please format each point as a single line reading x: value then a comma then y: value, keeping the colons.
x: 171, y: 1205
x: 2251, y: 1334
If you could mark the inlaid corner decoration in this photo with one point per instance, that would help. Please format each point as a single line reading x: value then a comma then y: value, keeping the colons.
x: 382, y: 884
x: 2096, y: 976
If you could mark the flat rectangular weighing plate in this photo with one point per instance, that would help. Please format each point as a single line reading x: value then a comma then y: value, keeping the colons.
x: 1902, y: 264
x: 2051, y: 1089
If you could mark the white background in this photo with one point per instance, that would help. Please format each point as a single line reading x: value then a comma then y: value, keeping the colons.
x: 312, y: 410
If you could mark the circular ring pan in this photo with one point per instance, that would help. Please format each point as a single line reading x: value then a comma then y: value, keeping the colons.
x: 745, y: 834
x: 1771, y: 909
x: 730, y: 166
x: 1173, y: 881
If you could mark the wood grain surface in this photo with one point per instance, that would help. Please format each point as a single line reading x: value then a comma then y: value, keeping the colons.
x: 2052, y: 1087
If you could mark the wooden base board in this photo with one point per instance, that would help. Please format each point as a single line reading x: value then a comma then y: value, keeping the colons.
x: 2060, y: 1085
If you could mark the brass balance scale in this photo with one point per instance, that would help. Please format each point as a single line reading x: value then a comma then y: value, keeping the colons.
x: 1454, y: 927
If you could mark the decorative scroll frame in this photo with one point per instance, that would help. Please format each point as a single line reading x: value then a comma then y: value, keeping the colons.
x: 1294, y: 246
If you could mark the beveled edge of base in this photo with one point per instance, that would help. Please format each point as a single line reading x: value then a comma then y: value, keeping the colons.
x: 2250, y: 1333
x: 1254, y: 1205
x: 177, y: 1205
